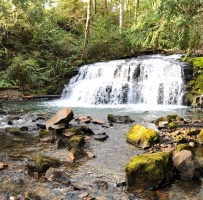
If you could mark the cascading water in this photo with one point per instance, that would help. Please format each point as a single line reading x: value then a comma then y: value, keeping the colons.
x: 151, y: 80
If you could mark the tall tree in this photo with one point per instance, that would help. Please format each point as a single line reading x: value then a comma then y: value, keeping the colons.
x: 87, y: 30
x: 121, y: 16
x: 105, y: 7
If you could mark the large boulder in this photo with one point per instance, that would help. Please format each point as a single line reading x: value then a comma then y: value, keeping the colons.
x: 142, y: 136
x: 149, y: 171
x: 64, y: 115
x: 187, y: 165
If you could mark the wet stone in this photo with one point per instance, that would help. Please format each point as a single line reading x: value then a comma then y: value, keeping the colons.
x: 53, y: 174
x: 24, y: 128
x: 101, y: 136
x: 76, y: 154
x: 13, y: 130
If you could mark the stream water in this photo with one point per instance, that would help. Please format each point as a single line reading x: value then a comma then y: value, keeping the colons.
x: 114, y: 153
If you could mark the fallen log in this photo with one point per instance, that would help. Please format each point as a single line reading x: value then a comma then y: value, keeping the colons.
x: 41, y: 97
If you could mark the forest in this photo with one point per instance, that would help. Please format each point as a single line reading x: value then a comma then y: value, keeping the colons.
x: 43, y: 42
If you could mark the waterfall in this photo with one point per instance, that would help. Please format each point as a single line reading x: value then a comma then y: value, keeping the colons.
x: 151, y: 80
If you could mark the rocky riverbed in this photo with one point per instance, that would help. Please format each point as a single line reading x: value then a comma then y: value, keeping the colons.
x: 99, y: 174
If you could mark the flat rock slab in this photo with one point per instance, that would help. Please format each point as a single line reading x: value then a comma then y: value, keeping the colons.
x: 63, y: 115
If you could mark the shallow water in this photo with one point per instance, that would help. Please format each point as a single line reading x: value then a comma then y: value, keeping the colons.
x: 111, y: 155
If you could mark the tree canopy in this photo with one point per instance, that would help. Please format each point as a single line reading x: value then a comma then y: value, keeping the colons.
x: 42, y: 41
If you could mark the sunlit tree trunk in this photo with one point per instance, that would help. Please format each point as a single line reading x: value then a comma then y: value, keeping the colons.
x: 87, y: 30
x: 95, y: 6
x: 105, y: 7
x: 121, y: 16
x: 137, y: 4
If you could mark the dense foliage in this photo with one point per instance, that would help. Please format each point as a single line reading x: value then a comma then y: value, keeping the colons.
x: 41, y: 42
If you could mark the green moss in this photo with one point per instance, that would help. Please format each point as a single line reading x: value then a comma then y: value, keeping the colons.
x: 200, y: 137
x: 42, y: 163
x: 44, y: 133
x: 173, y: 125
x: 142, y: 136
x: 75, y: 130
x: 180, y: 139
x: 76, y: 138
x: 184, y: 146
x: 76, y: 141
x: 195, y: 86
x: 169, y: 118
x: 153, y: 169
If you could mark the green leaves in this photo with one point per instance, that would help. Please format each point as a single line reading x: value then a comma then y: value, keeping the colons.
x: 25, y: 72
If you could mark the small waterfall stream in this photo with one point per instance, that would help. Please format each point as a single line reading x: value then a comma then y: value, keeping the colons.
x: 151, y: 80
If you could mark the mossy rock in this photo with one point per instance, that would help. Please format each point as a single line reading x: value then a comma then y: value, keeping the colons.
x: 149, y: 171
x: 200, y: 137
x: 118, y: 118
x: 42, y: 163
x: 44, y: 133
x: 192, y: 131
x: 184, y: 146
x: 75, y: 130
x: 169, y: 119
x: 173, y: 125
x: 142, y: 136
x: 76, y: 154
x: 76, y: 141
x: 13, y: 130
x: 180, y: 139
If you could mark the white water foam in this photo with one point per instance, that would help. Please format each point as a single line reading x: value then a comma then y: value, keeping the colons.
x: 150, y: 81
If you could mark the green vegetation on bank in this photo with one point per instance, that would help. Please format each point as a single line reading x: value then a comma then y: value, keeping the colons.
x: 195, y: 86
x: 41, y: 47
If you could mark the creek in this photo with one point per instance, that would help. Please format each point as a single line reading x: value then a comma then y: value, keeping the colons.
x: 144, y: 89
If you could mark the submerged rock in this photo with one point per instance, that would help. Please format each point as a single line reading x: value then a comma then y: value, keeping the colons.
x: 13, y: 130
x: 119, y: 119
x: 142, y: 136
x: 53, y: 174
x: 149, y: 171
x: 101, y: 136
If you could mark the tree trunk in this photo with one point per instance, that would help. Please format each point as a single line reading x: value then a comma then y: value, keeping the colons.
x: 95, y: 6
x: 105, y: 7
x: 121, y: 16
x: 137, y: 4
x: 87, y: 30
